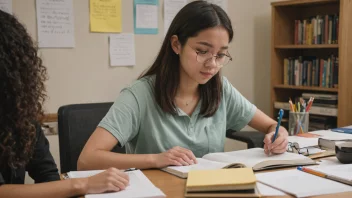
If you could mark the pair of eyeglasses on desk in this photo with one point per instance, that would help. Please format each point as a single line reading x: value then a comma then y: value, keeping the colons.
x: 294, y: 148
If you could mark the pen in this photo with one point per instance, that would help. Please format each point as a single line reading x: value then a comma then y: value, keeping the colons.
x: 281, y: 113
x: 130, y: 169
x: 310, y: 171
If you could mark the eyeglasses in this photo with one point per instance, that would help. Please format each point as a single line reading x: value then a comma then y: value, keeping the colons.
x: 220, y: 60
x: 294, y: 148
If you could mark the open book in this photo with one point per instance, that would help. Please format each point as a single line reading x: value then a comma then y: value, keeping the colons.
x: 139, y: 186
x: 251, y: 158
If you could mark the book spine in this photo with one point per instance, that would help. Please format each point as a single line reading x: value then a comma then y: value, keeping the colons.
x: 336, y: 71
x: 286, y: 71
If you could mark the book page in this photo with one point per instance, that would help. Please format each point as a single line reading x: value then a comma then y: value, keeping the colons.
x: 301, y: 184
x: 251, y: 157
x: 202, y: 164
x: 303, y: 142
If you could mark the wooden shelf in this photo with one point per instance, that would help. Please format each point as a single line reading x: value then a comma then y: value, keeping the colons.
x: 303, y: 2
x: 306, y: 88
x: 284, y: 14
x: 316, y: 46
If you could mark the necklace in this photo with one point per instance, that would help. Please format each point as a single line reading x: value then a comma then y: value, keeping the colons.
x: 187, y: 102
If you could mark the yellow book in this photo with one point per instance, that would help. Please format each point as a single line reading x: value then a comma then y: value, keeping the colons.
x: 239, y: 182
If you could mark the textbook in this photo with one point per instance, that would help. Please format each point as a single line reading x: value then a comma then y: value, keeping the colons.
x: 139, y: 186
x: 240, y: 182
x: 254, y: 158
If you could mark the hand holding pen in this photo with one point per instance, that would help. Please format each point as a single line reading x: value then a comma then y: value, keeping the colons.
x: 276, y: 141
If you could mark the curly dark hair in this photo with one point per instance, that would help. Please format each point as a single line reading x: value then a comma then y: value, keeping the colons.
x: 22, y: 90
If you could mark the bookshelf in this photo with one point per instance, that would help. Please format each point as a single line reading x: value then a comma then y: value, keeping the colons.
x: 283, y: 45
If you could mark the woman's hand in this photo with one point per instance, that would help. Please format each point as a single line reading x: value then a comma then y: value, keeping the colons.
x: 280, y: 143
x: 177, y: 156
x: 111, y: 180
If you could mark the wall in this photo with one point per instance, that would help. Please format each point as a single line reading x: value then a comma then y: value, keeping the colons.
x: 83, y: 74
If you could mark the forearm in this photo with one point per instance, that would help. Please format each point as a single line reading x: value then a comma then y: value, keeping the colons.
x: 64, y: 188
x: 100, y: 159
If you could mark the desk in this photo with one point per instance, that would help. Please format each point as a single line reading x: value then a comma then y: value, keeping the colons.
x: 173, y: 186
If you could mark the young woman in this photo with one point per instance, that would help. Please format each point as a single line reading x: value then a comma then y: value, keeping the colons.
x: 23, y: 146
x: 181, y: 107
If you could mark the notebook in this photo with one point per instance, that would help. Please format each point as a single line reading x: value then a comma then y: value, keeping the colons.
x: 239, y: 182
x: 139, y: 186
x: 341, y: 173
x: 301, y: 184
x: 254, y: 158
x: 347, y: 130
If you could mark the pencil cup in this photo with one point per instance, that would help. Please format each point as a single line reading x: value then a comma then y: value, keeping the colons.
x: 298, y: 122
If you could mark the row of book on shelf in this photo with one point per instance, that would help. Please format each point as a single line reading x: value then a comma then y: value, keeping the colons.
x: 317, y: 30
x: 311, y: 71
x: 322, y: 114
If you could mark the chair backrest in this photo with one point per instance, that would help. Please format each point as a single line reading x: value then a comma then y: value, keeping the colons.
x: 76, y: 123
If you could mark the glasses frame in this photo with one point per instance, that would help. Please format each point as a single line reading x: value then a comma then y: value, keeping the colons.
x: 294, y: 148
x: 211, y: 58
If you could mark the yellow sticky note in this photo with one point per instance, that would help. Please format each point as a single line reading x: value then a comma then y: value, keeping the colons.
x: 105, y: 15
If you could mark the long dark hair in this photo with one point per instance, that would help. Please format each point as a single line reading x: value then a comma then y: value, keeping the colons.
x: 189, y: 21
x: 22, y: 90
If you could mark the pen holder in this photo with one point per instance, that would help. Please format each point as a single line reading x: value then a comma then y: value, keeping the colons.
x: 298, y: 122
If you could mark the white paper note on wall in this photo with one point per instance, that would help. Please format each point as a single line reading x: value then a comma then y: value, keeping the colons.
x: 122, y: 52
x: 6, y: 6
x: 55, y: 23
x: 171, y: 8
x: 146, y: 16
x: 222, y: 3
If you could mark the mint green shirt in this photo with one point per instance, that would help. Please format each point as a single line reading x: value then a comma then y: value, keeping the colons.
x: 138, y: 123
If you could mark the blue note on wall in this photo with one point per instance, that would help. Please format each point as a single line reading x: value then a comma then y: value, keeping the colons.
x: 145, y: 16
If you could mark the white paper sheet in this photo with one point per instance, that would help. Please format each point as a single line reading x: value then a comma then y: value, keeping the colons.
x: 301, y: 184
x: 55, y: 23
x: 265, y: 190
x: 171, y: 8
x: 146, y: 16
x: 341, y: 170
x: 139, y: 186
x: 122, y: 50
x: 330, y: 135
x: 6, y: 6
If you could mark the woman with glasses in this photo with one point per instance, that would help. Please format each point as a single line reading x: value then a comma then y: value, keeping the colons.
x: 23, y: 146
x: 181, y: 107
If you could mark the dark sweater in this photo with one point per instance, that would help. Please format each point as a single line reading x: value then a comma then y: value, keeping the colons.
x: 41, y: 167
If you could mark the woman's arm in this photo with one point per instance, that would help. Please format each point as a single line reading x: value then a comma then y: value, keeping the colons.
x: 97, y: 154
x: 109, y: 180
x: 264, y: 123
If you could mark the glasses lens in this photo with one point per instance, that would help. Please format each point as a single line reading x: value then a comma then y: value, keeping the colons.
x: 203, y: 57
x: 223, y: 60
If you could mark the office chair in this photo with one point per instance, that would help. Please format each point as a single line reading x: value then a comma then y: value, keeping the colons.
x: 252, y: 138
x: 76, y: 122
